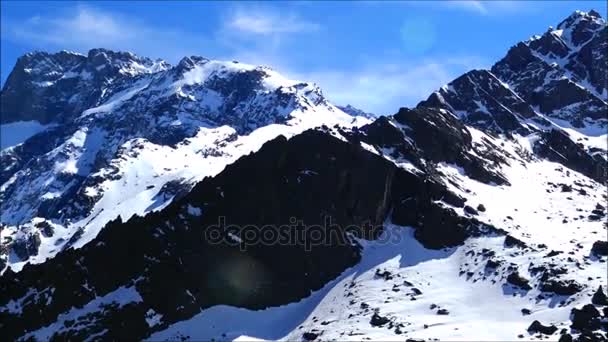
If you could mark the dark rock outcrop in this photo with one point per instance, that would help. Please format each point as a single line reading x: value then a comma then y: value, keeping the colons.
x: 378, y: 320
x: 310, y: 336
x: 599, y: 297
x: 26, y: 246
x: 585, y: 319
x: 600, y: 247
x: 561, y: 287
x: 538, y: 327
x: 517, y: 280
x: 483, y: 101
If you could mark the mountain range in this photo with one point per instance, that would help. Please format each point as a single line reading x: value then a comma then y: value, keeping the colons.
x: 479, y: 214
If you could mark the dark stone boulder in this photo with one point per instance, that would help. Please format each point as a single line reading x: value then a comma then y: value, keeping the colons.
x: 538, y: 327
x: 386, y: 275
x: 599, y: 297
x: 310, y: 336
x: 561, y: 287
x: 517, y: 280
x: 481, y: 208
x: 493, y: 264
x: 600, y: 248
x: 585, y: 319
x: 443, y: 312
x: 378, y: 321
x: 470, y: 210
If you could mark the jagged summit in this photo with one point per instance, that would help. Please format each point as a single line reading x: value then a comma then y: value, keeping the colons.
x: 562, y: 74
x: 63, y: 87
x: 590, y: 20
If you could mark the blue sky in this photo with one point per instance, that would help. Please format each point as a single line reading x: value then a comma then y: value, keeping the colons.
x: 372, y: 54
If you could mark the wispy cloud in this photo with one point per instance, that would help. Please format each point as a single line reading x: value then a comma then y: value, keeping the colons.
x: 382, y: 88
x: 481, y: 7
x: 86, y: 27
x: 80, y: 28
x: 261, y: 34
x: 470, y: 5
x: 265, y: 22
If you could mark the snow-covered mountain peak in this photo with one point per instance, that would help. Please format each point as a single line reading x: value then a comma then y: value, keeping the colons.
x: 119, y: 125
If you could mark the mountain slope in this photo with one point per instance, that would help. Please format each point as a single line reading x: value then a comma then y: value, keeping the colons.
x: 312, y: 177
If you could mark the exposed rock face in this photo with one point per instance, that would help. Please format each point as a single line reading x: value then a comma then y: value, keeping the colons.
x: 563, y: 72
x: 555, y: 145
x: 26, y: 246
x: 482, y: 100
x: 429, y: 135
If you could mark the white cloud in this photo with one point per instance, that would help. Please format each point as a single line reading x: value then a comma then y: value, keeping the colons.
x: 85, y: 28
x: 265, y: 22
x: 82, y: 27
x: 384, y: 88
